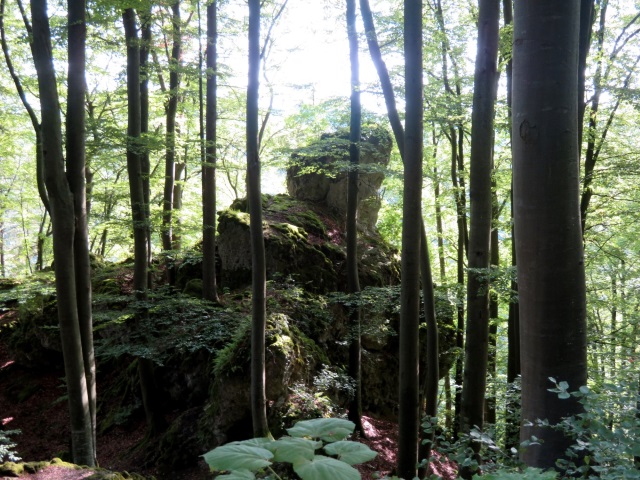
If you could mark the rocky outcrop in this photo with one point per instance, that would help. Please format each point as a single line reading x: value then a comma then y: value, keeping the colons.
x: 304, y: 232
x: 318, y: 173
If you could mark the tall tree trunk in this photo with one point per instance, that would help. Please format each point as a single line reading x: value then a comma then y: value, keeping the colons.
x: 150, y: 399
x: 63, y: 221
x: 145, y: 164
x: 209, y: 283
x: 353, y: 282
x: 432, y: 374
x: 258, y: 264
x: 512, y: 407
x: 477, y: 328
x: 170, y: 139
x: 408, y: 418
x: 586, y: 28
x: 76, y: 170
x: 551, y: 275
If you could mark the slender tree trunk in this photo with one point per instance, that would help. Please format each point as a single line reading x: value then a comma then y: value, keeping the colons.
x: 170, y: 139
x: 145, y: 164
x: 512, y: 407
x: 547, y: 217
x: 209, y: 283
x: 63, y: 221
x: 408, y: 419
x: 432, y: 374
x: 76, y: 170
x: 586, y: 28
x: 456, y: 141
x: 259, y: 307
x: 150, y: 398
x: 490, y: 398
x: 477, y: 328
x: 353, y: 282
x: 41, y: 239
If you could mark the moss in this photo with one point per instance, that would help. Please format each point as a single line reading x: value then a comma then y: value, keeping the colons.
x: 234, y: 215
x: 193, y: 288
x: 11, y: 469
x: 292, y: 232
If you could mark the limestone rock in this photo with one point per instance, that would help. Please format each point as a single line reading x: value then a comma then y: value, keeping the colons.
x: 318, y: 173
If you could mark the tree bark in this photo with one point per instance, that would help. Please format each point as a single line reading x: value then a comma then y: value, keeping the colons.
x: 170, y: 138
x: 432, y: 374
x: 76, y: 170
x: 209, y: 283
x: 145, y: 165
x: 139, y: 217
x: 353, y: 282
x: 63, y: 222
x: 408, y: 418
x: 477, y: 328
x: 551, y: 275
x: 258, y: 264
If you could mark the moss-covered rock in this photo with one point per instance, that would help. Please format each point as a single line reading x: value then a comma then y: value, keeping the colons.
x: 291, y: 357
x: 318, y: 173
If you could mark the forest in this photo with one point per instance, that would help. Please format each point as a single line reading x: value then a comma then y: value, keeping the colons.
x: 319, y: 240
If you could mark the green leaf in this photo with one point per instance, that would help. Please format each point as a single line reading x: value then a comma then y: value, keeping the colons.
x: 241, y: 474
x: 238, y: 457
x: 293, y: 450
x: 563, y: 385
x: 350, y: 452
x: 254, y: 442
x: 563, y: 395
x: 325, y: 468
x: 326, y: 429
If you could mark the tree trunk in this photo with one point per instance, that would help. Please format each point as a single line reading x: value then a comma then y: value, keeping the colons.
x: 408, y: 418
x: 258, y: 264
x: 477, y: 328
x: 170, y: 139
x: 145, y: 165
x: 76, y: 170
x: 512, y: 407
x: 551, y: 275
x: 432, y: 374
x: 490, y: 397
x: 209, y: 283
x: 353, y: 282
x: 150, y: 399
x: 63, y: 221
x: 586, y: 28
x: 41, y: 238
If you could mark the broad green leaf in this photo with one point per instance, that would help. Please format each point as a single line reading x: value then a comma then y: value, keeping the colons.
x: 241, y: 474
x: 350, y: 452
x: 293, y: 450
x: 238, y: 457
x: 325, y: 468
x: 254, y: 442
x: 326, y: 429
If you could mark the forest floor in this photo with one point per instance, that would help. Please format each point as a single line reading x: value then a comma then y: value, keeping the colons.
x: 34, y: 402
